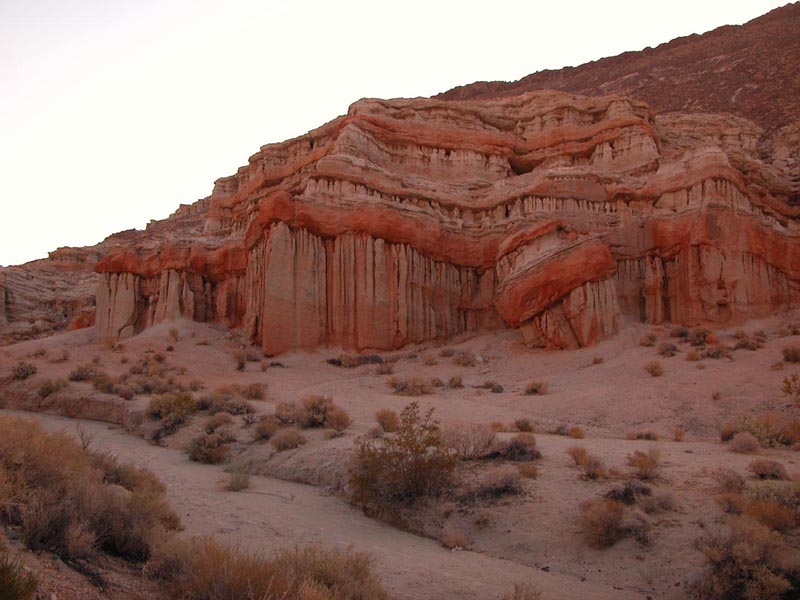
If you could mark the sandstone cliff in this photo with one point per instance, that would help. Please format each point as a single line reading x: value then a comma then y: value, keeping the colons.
x: 409, y: 220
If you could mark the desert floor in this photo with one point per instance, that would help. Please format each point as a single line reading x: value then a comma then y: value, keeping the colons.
x: 296, y: 496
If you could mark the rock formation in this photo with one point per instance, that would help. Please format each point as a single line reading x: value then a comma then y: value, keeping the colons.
x: 492, y: 206
x: 410, y: 220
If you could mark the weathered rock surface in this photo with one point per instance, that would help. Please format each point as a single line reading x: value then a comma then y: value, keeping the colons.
x: 410, y: 220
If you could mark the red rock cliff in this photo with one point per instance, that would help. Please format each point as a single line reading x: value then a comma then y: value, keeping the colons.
x: 409, y: 220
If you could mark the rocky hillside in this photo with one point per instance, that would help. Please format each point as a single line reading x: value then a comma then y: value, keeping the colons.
x: 750, y: 70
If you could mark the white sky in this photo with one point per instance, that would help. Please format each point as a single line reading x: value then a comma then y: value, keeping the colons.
x: 113, y: 112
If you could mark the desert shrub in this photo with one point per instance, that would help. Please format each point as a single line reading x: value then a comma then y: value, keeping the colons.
x: 68, y: 503
x: 774, y: 515
x: 528, y: 470
x: 225, y: 403
x: 745, y: 342
x: 62, y: 356
x: 646, y: 465
x: 452, y: 537
x: 629, y: 492
x: 287, y: 439
x: 521, y: 447
x: 16, y: 583
x: 255, y: 391
x: 469, y: 441
x: 729, y: 480
x: 338, y: 420
x: 51, y: 386
x: 644, y: 434
x: 286, y: 412
x: 791, y: 353
x: 654, y: 368
x: 747, y: 562
x: 384, y: 369
x: 388, y: 420
x: 536, y: 388
x: 791, y: 387
x: 744, y: 442
x: 415, y: 386
x: 667, y: 349
x: 204, y: 569
x: 560, y: 429
x: 592, y: 467
x: 240, y: 358
x: 717, y: 351
x: 679, y: 331
x: 314, y: 410
x: 766, y: 427
x: 578, y: 454
x: 492, y: 386
x: 238, y: 475
x: 404, y: 468
x: 648, y: 340
x: 768, y: 469
x: 429, y: 360
x: 698, y: 337
x: 732, y: 503
x: 783, y: 492
x: 23, y: 370
x: 601, y: 522
x: 267, y: 427
x: 597, y: 360
x: 727, y: 431
x: 576, y: 432
x: 348, y: 361
x: 82, y: 373
x: 496, y: 485
x: 790, y: 432
x: 455, y: 382
x: 658, y: 503
x: 693, y: 356
x: 464, y: 358
x: 678, y: 434
x: 523, y: 591
x: 178, y: 405
x: 524, y: 425
x: 446, y: 352
x: 210, y: 448
x: 214, y: 422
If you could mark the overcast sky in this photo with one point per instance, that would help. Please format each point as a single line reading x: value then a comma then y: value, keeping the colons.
x: 114, y: 112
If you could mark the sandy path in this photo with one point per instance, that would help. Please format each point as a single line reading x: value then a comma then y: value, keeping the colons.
x: 275, y: 513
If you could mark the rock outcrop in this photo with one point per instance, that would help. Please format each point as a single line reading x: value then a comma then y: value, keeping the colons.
x: 411, y: 220
x: 492, y: 206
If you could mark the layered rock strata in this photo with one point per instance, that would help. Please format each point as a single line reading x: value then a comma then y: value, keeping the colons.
x: 410, y: 220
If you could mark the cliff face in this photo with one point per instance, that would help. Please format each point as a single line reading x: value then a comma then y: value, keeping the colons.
x: 409, y: 220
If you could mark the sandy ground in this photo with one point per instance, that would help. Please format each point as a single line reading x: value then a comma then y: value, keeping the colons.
x: 529, y: 538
